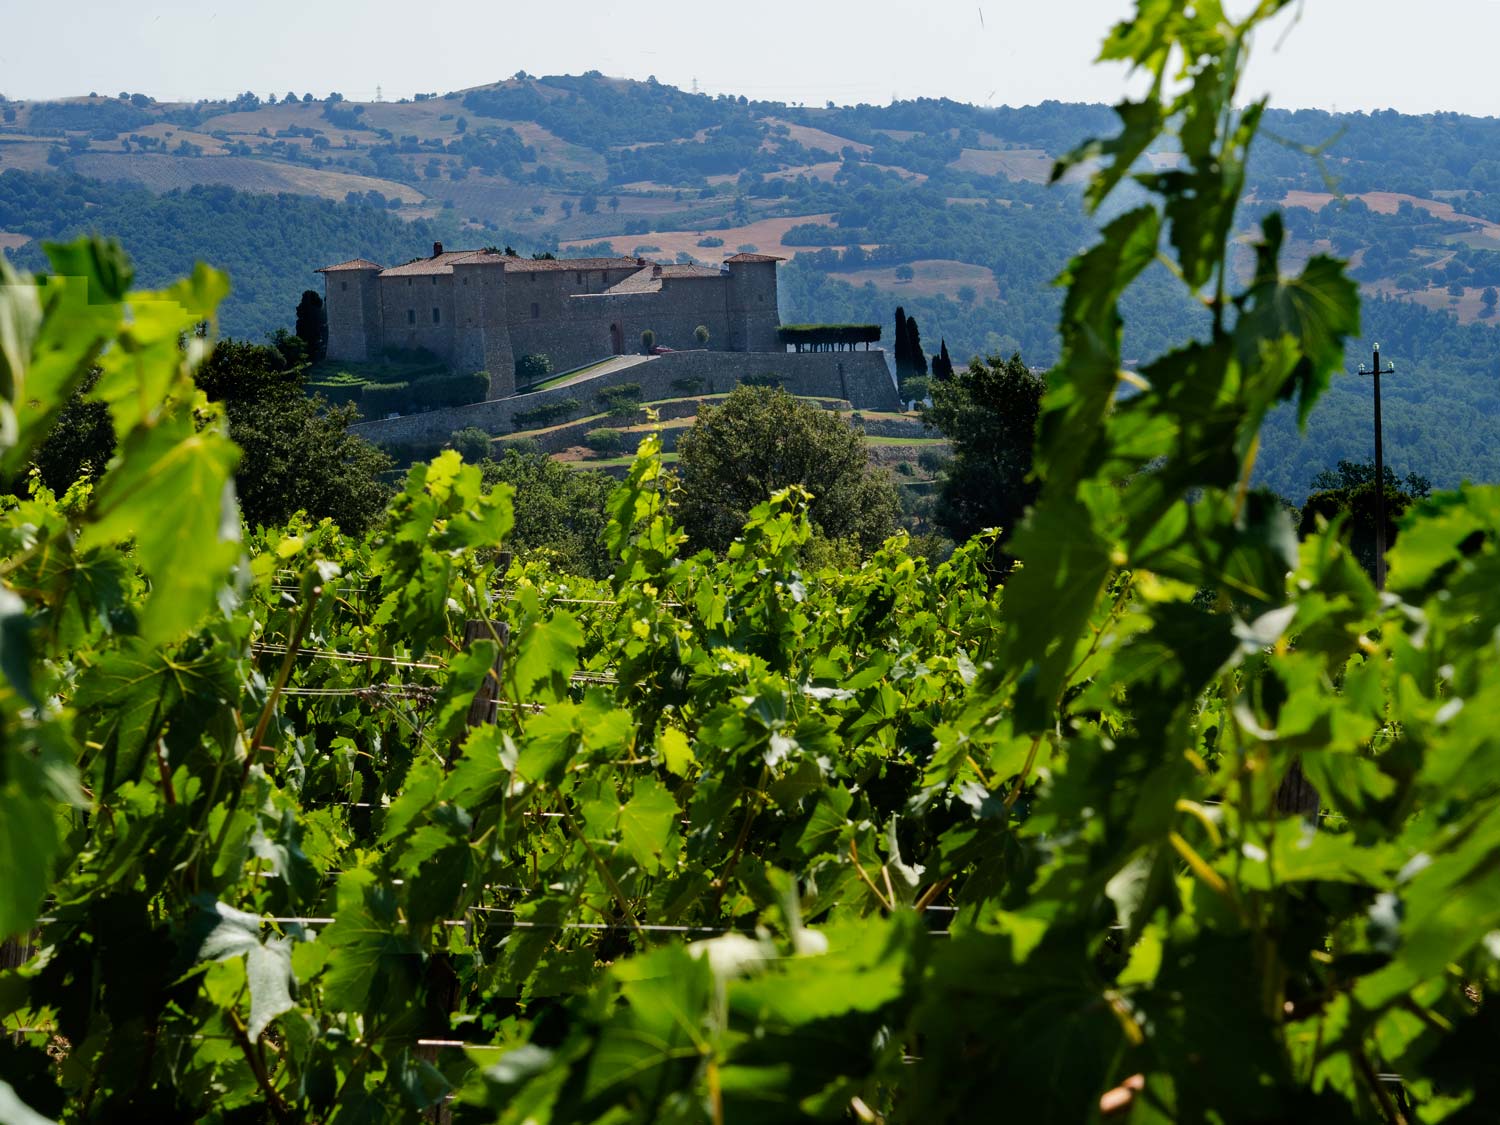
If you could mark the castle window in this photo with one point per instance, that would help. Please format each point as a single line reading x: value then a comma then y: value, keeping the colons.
x: 536, y: 310
x: 344, y: 285
x: 437, y: 317
x: 532, y: 276
x: 580, y: 279
x: 411, y: 316
x: 408, y: 281
x: 434, y: 279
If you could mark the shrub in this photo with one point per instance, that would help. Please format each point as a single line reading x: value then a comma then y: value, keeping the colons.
x: 932, y: 460
x: 689, y: 385
x: 769, y: 379
x: 623, y: 393
x: 711, y: 240
x: 701, y: 334
x: 376, y: 400
x: 533, y: 368
x: 546, y: 415
x: 472, y: 443
x: 450, y: 390
x: 604, y: 440
x: 648, y: 341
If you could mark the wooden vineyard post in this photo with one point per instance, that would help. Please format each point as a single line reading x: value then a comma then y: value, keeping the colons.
x: 442, y: 981
x: 1296, y: 795
x: 482, y: 710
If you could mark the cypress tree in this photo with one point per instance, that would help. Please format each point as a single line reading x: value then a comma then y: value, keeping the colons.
x: 902, y: 347
x: 312, y: 324
x: 943, y: 369
x: 915, y: 356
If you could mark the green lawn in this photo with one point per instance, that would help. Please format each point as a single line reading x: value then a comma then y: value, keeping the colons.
x: 921, y: 441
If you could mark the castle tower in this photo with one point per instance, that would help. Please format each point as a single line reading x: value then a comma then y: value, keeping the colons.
x: 481, y: 328
x: 751, y: 299
x: 352, y: 300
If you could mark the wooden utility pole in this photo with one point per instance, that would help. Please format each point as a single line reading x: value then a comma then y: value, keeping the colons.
x: 1376, y: 371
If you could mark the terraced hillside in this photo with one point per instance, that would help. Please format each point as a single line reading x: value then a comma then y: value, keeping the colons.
x: 935, y: 206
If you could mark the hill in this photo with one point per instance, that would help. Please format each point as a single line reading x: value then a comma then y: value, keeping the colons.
x: 850, y: 195
x: 265, y: 242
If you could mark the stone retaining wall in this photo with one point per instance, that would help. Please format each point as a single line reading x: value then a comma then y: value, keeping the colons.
x: 861, y: 378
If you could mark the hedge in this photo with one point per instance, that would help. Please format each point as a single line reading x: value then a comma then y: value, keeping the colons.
x: 376, y: 400
x: 604, y: 440
x: 816, y: 336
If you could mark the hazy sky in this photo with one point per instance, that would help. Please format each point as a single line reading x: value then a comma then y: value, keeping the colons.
x: 1345, y: 54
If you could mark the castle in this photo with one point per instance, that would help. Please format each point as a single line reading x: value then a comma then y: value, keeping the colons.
x: 481, y: 310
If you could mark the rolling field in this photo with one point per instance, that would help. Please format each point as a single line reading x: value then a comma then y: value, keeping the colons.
x: 1469, y: 308
x: 764, y: 234
x: 1017, y: 163
x: 817, y: 138
x: 163, y: 173
x: 1389, y: 202
x: 933, y: 277
x: 25, y: 154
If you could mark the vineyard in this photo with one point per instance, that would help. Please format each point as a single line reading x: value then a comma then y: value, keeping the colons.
x: 1184, y: 821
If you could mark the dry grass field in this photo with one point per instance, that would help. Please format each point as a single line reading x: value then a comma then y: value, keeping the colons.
x: 163, y: 173
x: 1018, y: 163
x: 1469, y: 308
x: 817, y: 138
x: 10, y: 241
x: 765, y: 235
x: 1388, y: 202
x: 933, y: 277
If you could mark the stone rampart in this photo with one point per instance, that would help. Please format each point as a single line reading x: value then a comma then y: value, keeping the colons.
x: 860, y: 378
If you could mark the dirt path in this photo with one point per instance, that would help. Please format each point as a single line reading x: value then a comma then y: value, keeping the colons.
x: 609, y: 366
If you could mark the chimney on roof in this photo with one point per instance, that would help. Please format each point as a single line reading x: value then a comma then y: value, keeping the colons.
x: 437, y: 249
x: 656, y: 270
x: 640, y: 261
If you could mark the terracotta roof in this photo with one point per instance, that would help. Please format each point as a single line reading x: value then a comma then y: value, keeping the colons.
x: 691, y: 271
x: 540, y: 265
x: 351, y: 264
x: 646, y: 280
x: 439, y: 263
x: 753, y: 258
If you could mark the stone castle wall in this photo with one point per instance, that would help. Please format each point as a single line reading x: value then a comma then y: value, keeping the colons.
x: 862, y: 379
x: 483, y: 317
x: 417, y: 312
x: 353, y: 307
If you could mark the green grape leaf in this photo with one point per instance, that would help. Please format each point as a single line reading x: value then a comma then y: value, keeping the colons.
x: 174, y: 467
x: 15, y: 645
x: 647, y: 822
x: 545, y: 655
x: 29, y: 843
